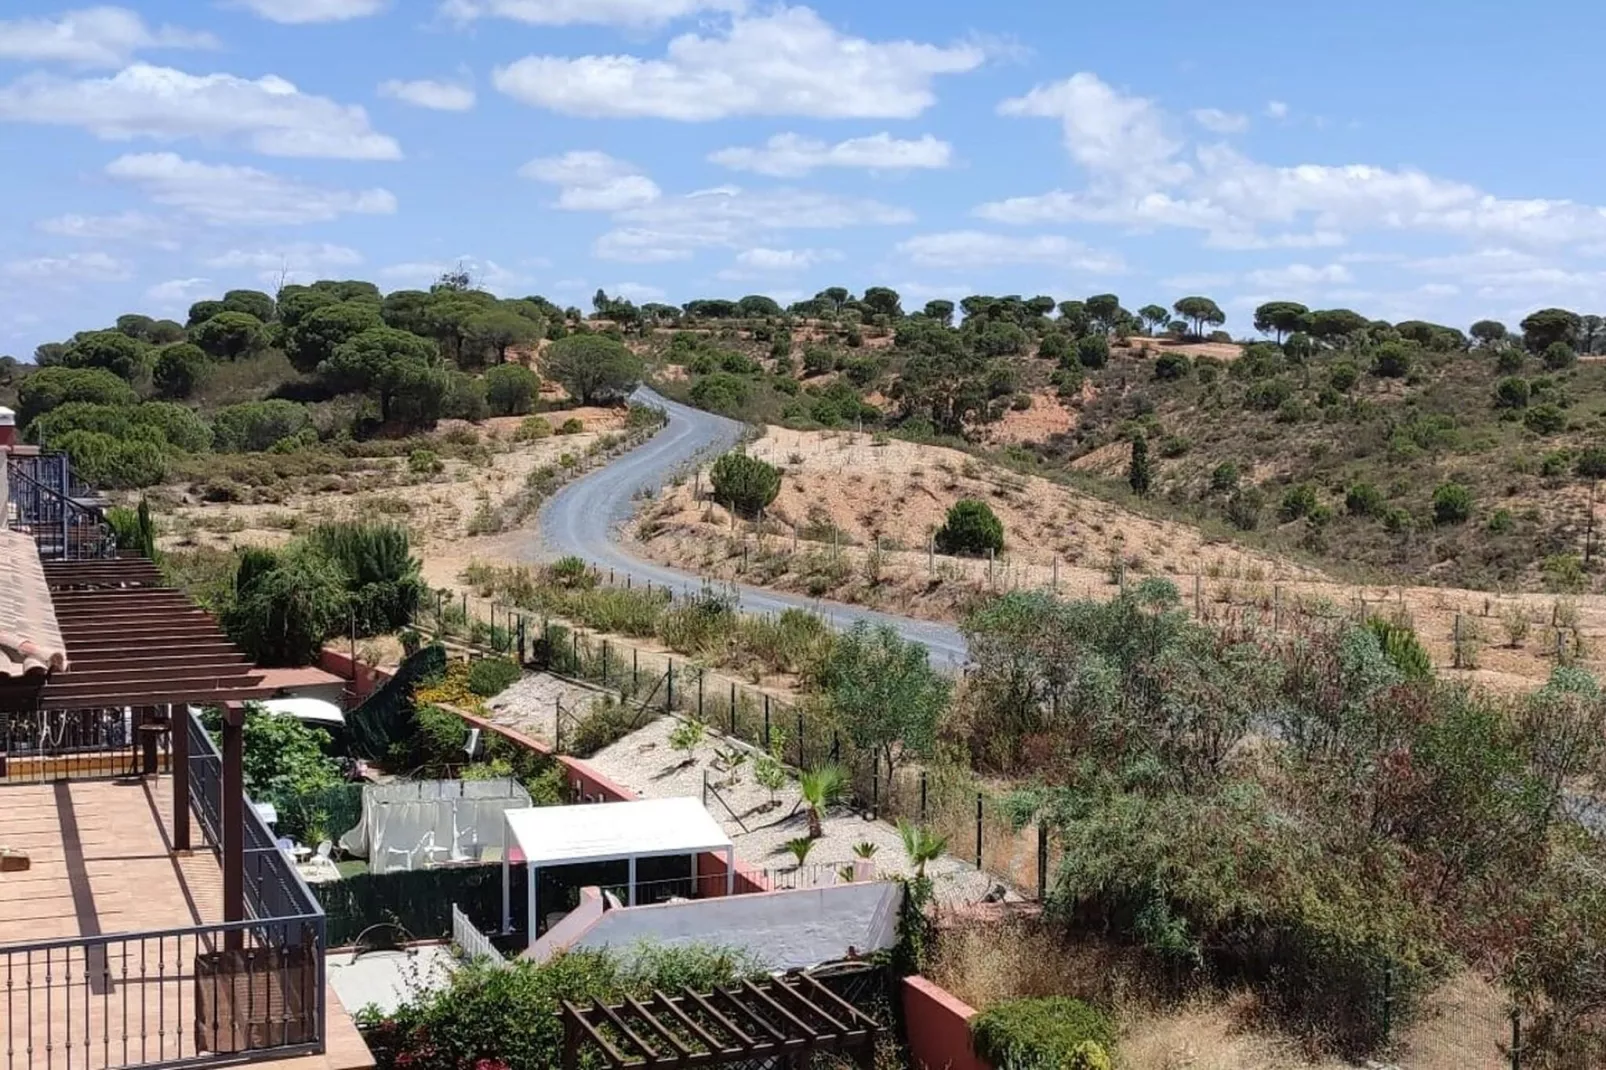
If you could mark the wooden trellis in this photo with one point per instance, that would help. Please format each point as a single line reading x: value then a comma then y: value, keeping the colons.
x: 781, y: 1021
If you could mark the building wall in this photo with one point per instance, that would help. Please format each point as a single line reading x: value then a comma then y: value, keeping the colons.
x: 938, y: 1024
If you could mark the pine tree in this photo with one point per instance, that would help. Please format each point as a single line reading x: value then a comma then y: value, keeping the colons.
x: 1138, y: 472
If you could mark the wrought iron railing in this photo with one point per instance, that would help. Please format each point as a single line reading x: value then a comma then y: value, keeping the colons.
x: 41, y: 746
x: 195, y: 996
x: 45, y: 502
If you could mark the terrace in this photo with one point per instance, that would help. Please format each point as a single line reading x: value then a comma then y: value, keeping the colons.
x: 123, y: 941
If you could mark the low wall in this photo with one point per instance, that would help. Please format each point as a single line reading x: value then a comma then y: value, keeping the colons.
x: 748, y: 879
x: 362, y: 683
x: 938, y: 1026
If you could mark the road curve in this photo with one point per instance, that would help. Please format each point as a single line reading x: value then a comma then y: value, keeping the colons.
x: 585, y: 517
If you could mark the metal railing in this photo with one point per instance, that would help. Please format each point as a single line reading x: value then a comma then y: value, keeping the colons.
x: 713, y: 885
x: 40, y: 746
x: 45, y: 501
x: 202, y: 995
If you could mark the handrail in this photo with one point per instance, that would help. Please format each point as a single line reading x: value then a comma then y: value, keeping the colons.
x: 42, y: 506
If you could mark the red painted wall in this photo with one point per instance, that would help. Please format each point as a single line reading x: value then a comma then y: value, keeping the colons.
x: 939, y: 1027
x: 368, y: 677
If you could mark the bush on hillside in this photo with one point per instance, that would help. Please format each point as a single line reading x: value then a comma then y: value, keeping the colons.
x: 282, y: 615
x: 115, y: 463
x: 595, y: 370
x: 720, y: 392
x: 381, y: 575
x: 1093, y: 351
x: 1036, y: 1034
x: 492, y: 676
x: 971, y: 527
x: 745, y: 484
x: 510, y: 389
x: 1452, y: 504
x: 178, y: 370
x: 256, y: 425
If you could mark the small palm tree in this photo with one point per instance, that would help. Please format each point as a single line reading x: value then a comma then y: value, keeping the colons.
x: 921, y: 845
x: 800, y: 849
x: 865, y: 849
x: 822, y: 787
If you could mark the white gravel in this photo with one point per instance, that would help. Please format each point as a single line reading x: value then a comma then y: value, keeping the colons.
x: 530, y: 704
x: 645, y: 761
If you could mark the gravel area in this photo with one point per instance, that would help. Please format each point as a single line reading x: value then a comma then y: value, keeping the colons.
x: 530, y: 704
x: 645, y: 761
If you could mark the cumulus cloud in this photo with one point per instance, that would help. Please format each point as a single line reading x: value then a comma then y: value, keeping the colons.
x: 674, y: 228
x: 976, y: 248
x: 591, y: 181
x: 764, y: 259
x: 293, y: 262
x: 1276, y: 109
x: 175, y: 294
x: 487, y: 274
x: 637, y: 13
x: 1299, y: 276
x: 268, y: 115
x: 1139, y: 175
x: 788, y: 61
x: 428, y: 93
x: 304, y: 11
x: 790, y: 155
x: 1220, y: 122
x: 92, y: 37
x: 224, y: 194
x: 71, y: 267
x: 121, y: 226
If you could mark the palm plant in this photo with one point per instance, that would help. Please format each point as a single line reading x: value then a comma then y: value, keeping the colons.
x: 822, y: 787
x: 800, y: 849
x: 921, y: 845
x: 866, y: 849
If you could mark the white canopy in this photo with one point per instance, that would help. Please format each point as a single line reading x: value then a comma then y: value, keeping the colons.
x: 606, y: 832
x: 313, y: 710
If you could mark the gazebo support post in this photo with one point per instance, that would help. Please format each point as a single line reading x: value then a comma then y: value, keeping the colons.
x: 531, y: 874
x: 179, y: 718
x: 507, y: 887
x: 730, y: 870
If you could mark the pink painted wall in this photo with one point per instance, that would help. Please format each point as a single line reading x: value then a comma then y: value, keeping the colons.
x: 366, y: 681
x: 570, y: 929
x: 939, y: 1027
x: 712, y: 867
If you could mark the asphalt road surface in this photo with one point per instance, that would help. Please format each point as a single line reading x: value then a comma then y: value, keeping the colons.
x: 585, y: 517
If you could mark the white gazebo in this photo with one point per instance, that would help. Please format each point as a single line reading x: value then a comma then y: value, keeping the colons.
x: 543, y: 836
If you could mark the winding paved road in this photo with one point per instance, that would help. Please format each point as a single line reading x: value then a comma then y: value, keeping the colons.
x: 585, y: 518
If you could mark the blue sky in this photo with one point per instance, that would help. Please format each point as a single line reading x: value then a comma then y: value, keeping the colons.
x: 1406, y: 159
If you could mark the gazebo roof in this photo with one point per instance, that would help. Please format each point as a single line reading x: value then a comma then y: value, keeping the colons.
x: 604, y: 832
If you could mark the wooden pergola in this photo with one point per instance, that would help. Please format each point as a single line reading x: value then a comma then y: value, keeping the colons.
x: 133, y: 644
x: 780, y: 1021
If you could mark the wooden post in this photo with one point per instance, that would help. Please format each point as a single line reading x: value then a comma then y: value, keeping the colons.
x: 233, y: 821
x: 1042, y: 860
x: 1276, y: 608
x: 931, y: 555
x: 179, y: 718
x: 1455, y: 650
x: 978, y: 830
x: 1198, y: 596
x: 1056, y: 574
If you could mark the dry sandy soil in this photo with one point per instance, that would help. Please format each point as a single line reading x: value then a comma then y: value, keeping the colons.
x: 438, y: 510
x: 898, y: 493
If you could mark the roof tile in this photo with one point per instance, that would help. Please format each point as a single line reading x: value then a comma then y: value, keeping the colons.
x: 30, y: 640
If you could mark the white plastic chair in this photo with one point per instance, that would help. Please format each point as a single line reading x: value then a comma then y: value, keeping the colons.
x: 322, y: 866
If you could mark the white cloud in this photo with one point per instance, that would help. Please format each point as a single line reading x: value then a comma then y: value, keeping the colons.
x: 636, y: 291
x: 1299, y: 276
x: 427, y: 93
x: 268, y: 114
x: 791, y: 155
x: 1220, y: 122
x: 674, y: 228
x: 92, y: 37
x: 295, y: 262
x: 1276, y: 109
x: 178, y: 293
x: 487, y: 274
x: 785, y: 62
x: 224, y: 194
x: 1139, y: 176
x: 975, y: 248
x: 1195, y: 282
x: 70, y: 268
x: 637, y: 13
x: 591, y: 181
x: 1122, y: 137
x: 123, y: 226
x: 763, y: 259
x: 303, y: 11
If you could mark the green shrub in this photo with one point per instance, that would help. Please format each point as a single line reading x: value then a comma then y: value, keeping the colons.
x: 424, y: 463
x: 179, y: 369
x: 745, y: 484
x: 1243, y: 508
x: 1268, y: 394
x: 1511, y: 392
x: 701, y: 625
x: 571, y: 426
x: 1393, y: 360
x: 119, y: 463
x: 50, y: 388
x: 720, y: 392
x: 1093, y: 351
x: 1052, y: 1033
x: 1364, y: 499
x: 283, y: 614
x: 1559, y: 355
x: 532, y: 428
x: 381, y: 575
x: 1452, y: 504
x: 257, y: 425
x: 1591, y: 463
x: 605, y: 723
x: 1546, y: 419
x: 971, y: 527
x: 1401, y: 646
x: 1343, y: 376
x: 510, y: 389
x: 492, y: 676
x: 1298, y: 502
x: 1171, y: 366
x: 572, y: 572
x: 817, y: 360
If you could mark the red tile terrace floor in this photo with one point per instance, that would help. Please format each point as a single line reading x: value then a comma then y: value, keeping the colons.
x: 101, y: 865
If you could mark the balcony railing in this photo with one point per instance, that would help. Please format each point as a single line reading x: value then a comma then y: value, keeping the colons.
x: 195, y: 996
x: 48, y: 502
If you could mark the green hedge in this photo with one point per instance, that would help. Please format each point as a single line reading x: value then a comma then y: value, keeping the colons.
x: 1057, y: 1033
x: 419, y: 900
x: 329, y: 813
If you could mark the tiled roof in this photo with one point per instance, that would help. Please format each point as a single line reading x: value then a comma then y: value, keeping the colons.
x: 30, y: 640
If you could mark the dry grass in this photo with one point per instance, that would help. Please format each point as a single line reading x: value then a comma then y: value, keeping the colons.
x: 1463, y: 1026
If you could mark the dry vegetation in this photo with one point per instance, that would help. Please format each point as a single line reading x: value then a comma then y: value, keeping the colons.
x: 855, y: 515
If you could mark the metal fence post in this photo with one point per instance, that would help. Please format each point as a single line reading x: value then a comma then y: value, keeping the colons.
x: 922, y: 796
x: 701, y: 672
x: 766, y: 722
x: 802, y: 757
x: 733, y: 707
x: 669, y: 687
x: 1516, y: 1039
x: 1388, y: 1001
x: 1042, y: 861
x: 605, y: 663
x: 635, y: 667
x: 978, y: 830
x: 557, y: 725
x: 875, y: 785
